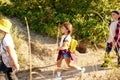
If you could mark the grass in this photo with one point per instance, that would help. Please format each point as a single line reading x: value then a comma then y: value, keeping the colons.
x: 17, y: 38
x: 5, y: 1
x: 18, y: 41
x: 41, y: 54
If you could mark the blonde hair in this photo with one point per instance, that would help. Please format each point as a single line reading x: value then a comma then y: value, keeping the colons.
x: 68, y: 26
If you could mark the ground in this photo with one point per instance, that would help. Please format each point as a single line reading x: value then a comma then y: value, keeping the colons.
x: 91, y: 61
x: 43, y: 61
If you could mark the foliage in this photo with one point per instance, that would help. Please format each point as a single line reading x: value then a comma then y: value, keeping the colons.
x: 89, y: 17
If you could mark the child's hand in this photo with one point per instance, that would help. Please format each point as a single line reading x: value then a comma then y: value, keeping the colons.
x: 51, y: 49
x: 16, y: 67
x: 13, y: 75
x: 58, y: 49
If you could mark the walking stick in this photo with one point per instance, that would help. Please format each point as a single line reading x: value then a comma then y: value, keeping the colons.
x: 58, y: 35
x: 57, y: 42
x: 29, y: 47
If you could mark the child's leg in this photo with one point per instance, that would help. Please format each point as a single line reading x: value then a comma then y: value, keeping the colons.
x: 117, y: 50
x: 6, y: 70
x: 8, y: 73
x: 68, y: 60
x: 59, y: 67
x: 59, y: 64
x: 73, y: 66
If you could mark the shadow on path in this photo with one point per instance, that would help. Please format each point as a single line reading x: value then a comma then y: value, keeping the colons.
x: 38, y: 74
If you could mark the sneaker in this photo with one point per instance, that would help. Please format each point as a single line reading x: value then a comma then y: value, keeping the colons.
x: 82, y: 70
x: 118, y: 60
x: 105, y: 65
x: 57, y: 78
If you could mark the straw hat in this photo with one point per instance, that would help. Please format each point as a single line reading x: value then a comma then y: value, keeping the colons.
x: 5, y: 25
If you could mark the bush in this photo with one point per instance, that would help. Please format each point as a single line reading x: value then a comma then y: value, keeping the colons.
x: 89, y: 18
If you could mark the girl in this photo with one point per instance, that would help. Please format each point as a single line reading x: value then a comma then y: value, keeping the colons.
x: 114, y: 38
x: 64, y: 52
x: 7, y: 52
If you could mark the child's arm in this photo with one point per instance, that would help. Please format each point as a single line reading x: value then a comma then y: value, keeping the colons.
x: 64, y: 46
x: 12, y: 54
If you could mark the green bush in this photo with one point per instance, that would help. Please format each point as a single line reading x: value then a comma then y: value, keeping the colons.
x: 89, y: 17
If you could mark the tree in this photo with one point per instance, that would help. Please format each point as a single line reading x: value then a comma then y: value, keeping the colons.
x: 89, y: 17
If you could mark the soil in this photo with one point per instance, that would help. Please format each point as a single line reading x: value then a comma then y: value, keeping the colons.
x: 43, y: 62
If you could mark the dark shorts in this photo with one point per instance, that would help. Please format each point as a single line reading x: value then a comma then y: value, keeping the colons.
x: 4, y: 68
x: 66, y: 55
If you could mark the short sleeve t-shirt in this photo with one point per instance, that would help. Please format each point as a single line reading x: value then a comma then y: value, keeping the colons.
x: 8, y: 41
x: 66, y: 37
x: 112, y: 32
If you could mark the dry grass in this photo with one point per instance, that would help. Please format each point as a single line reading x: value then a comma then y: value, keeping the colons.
x: 43, y: 60
x: 20, y: 45
x: 115, y: 75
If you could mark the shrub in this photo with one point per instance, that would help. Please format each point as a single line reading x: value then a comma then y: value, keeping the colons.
x: 89, y: 18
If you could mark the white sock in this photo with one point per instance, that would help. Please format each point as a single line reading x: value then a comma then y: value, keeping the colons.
x: 58, y: 74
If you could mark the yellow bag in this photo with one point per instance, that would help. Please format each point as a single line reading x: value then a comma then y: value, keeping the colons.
x: 73, y: 45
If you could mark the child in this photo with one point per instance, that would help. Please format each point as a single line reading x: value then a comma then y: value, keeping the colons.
x: 63, y: 49
x: 113, y: 39
x: 7, y: 52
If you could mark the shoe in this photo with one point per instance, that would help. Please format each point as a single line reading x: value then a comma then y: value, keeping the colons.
x: 104, y: 65
x: 57, y: 78
x: 82, y: 70
x: 118, y: 61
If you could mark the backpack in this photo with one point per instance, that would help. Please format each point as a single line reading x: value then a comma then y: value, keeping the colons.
x: 73, y: 45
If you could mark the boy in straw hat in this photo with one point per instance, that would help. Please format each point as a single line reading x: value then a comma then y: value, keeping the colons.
x: 7, y: 51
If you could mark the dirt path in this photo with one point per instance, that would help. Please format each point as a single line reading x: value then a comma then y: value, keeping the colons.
x: 91, y: 61
x: 44, y: 62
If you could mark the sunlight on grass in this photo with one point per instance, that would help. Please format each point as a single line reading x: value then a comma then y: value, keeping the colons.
x: 5, y: 1
x: 17, y: 38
